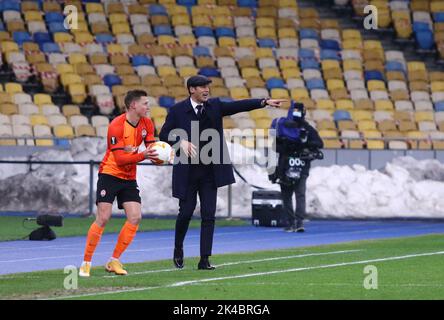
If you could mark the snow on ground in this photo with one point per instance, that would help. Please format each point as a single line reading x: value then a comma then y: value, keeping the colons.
x: 404, y: 188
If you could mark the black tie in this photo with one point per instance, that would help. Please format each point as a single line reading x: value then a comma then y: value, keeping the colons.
x: 199, y: 111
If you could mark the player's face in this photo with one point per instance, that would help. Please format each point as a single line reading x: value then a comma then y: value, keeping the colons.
x: 200, y: 94
x: 141, y: 106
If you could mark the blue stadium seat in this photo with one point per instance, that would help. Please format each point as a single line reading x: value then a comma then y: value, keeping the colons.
x: 166, y: 101
x: 394, y: 66
x: 438, y: 17
x: 309, y: 64
x: 267, y: 43
x: 10, y: 5
x: 201, y: 51
x: 425, y: 39
x: 21, y: 36
x: 163, y: 29
x: 305, y: 53
x: 111, y: 80
x: 225, y: 32
x: 42, y: 37
x: 57, y: 27
x: 340, y: 115
x: 104, y: 38
x: 50, y: 47
x: 247, y: 3
x: 54, y: 17
x: 308, y: 34
x: 275, y: 83
x: 209, y: 72
x: 203, y: 32
x: 330, y: 44
x: 2, y: 26
x: 157, y: 9
x: 315, y: 84
x: 187, y: 3
x: 141, y: 60
x: 439, y: 106
x: 373, y: 75
x: 420, y: 26
x: 327, y: 54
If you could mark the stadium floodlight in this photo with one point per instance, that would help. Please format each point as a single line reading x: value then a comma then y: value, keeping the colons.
x: 45, y: 221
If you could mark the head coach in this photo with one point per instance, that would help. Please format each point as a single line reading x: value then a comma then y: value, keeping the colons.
x: 192, y: 175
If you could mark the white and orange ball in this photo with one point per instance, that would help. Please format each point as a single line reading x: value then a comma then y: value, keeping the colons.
x: 165, y: 153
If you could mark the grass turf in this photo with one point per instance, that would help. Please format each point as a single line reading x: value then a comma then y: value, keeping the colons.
x: 11, y: 228
x: 412, y: 278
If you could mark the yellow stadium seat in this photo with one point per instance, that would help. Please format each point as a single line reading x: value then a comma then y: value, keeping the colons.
x: 239, y: 93
x: 299, y: 93
x: 424, y: 116
x: 351, y: 34
x: 264, y: 53
x: 33, y: 16
x: 352, y: 65
x: 413, y: 66
x: 70, y: 78
x: 77, y: 92
x: 266, y: 33
x: 164, y: 71
x: 333, y: 84
x: 366, y: 125
x: 61, y: 37
x: 85, y: 130
x: 201, y: 21
x: 94, y: 8
x: 11, y: 87
x: 75, y: 58
x: 437, y: 6
x: 381, y: 105
x: 70, y: 110
x: 42, y: 98
x: 358, y: 115
x: 437, y: 86
x: 9, y: 46
x: 344, y: 104
x: 325, y: 104
x: 115, y: 48
x: 120, y: 28
x: 188, y: 71
x: 287, y: 63
x: 247, y: 42
x: 222, y: 21
x: 156, y: 112
x: 330, y: 64
x: 63, y: 131
x: 38, y: 119
x: 328, y: 133
x: 227, y: 42
x: 115, y: 18
x: 180, y: 20
x: 352, y: 44
x: 287, y: 33
x: 279, y: 93
x: 291, y: 73
x: 375, y: 144
x: 268, y: 73
x: 8, y: 108
x: 373, y: 85
x: 187, y: 40
x: 250, y: 73
x: 371, y: 134
x: 64, y: 68
x: 265, y: 22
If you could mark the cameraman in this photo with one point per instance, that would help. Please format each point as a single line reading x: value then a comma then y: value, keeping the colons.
x: 297, y: 144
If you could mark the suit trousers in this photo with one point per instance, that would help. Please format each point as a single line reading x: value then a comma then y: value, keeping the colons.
x: 299, y: 188
x: 201, y: 181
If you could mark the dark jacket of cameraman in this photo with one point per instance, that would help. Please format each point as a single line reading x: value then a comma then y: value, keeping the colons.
x: 297, y: 153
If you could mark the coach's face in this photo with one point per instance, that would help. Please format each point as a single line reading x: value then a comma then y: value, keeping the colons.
x: 141, y: 106
x: 200, y: 94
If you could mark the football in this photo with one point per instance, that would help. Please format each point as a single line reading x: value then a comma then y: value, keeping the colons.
x: 164, y: 151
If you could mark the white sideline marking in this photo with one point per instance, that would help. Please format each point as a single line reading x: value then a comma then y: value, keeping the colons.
x: 247, y: 261
x: 248, y: 275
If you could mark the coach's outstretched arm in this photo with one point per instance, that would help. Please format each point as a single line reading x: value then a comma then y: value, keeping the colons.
x: 230, y: 108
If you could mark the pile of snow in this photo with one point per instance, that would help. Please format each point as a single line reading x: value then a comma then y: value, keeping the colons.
x: 405, y: 188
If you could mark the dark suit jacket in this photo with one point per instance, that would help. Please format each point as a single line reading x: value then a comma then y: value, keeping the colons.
x: 180, y: 116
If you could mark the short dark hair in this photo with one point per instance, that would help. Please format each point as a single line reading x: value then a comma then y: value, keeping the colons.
x: 133, y: 95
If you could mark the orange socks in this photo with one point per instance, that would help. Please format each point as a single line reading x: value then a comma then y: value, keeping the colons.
x: 94, y: 235
x: 126, y: 236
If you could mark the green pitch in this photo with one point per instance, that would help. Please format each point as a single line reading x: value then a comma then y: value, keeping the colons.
x: 405, y: 268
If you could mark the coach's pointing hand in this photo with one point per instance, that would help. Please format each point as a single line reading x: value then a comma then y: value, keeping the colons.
x: 275, y: 103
